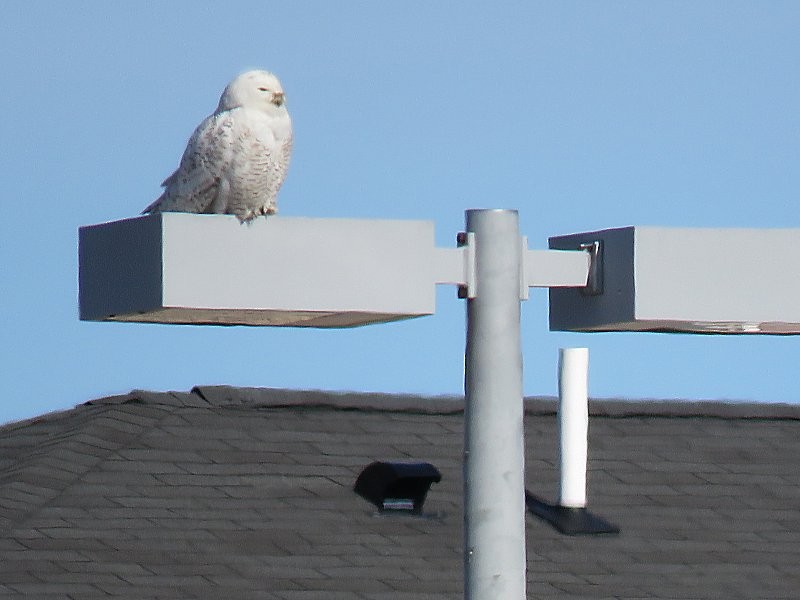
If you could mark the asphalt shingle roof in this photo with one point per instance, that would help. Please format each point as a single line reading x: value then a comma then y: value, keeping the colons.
x: 247, y: 493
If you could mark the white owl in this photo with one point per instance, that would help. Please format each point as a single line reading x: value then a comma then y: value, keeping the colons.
x: 236, y: 159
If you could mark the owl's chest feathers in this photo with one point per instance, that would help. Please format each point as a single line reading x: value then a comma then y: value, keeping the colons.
x: 257, y: 146
x: 269, y: 130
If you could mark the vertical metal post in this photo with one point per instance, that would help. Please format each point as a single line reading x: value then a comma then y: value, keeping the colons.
x: 494, y: 488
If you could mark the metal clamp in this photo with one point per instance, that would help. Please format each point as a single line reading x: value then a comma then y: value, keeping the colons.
x: 466, y: 241
x: 594, y: 281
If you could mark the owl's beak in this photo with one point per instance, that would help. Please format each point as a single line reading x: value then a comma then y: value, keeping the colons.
x: 277, y: 98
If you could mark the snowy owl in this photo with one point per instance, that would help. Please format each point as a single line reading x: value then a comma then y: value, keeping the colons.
x: 236, y: 159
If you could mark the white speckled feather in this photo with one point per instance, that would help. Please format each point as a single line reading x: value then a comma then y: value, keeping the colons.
x: 236, y: 160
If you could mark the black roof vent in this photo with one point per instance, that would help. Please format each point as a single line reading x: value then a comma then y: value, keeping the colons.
x: 397, y: 486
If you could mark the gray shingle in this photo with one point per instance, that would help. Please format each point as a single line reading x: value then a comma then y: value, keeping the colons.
x: 247, y: 493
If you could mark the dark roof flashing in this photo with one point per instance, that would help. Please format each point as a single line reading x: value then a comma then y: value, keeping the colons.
x: 569, y: 520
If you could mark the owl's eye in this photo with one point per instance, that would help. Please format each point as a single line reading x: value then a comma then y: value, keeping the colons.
x: 263, y: 89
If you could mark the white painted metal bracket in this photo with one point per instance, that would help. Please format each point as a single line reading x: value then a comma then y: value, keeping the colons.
x: 538, y: 268
x: 456, y: 266
x: 555, y: 268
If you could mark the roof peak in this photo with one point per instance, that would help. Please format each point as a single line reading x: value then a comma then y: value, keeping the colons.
x: 223, y: 396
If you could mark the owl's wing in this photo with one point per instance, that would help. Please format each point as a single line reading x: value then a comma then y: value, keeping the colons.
x: 195, y: 185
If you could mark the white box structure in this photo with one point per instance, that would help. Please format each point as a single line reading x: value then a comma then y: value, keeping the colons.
x: 744, y: 281
x: 210, y: 269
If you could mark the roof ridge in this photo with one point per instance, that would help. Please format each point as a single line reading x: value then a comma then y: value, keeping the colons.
x: 171, y: 398
x: 719, y: 409
x: 221, y: 396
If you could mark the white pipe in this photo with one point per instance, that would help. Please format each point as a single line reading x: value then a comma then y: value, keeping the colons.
x: 573, y: 424
x: 494, y: 457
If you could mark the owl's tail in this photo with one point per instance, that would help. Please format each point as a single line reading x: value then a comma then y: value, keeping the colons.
x: 155, y: 206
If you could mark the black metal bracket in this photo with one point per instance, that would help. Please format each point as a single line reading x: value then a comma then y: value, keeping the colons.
x: 594, y: 283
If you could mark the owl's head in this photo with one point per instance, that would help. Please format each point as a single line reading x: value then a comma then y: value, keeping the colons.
x: 260, y: 90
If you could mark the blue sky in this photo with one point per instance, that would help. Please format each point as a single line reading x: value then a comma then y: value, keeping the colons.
x: 581, y: 115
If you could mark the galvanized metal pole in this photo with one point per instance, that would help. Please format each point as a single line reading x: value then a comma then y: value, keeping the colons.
x: 494, y: 489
